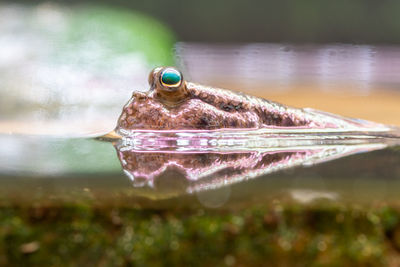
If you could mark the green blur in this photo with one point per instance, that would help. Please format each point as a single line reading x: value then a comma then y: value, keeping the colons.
x: 81, y: 235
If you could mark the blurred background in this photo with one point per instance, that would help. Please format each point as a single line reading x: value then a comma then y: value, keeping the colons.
x: 69, y: 57
x: 313, y: 21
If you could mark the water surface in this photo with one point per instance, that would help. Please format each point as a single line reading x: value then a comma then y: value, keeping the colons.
x: 40, y: 163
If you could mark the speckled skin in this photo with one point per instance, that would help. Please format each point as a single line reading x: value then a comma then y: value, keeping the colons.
x: 196, y: 107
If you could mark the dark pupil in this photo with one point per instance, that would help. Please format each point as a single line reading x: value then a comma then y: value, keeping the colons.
x: 171, y: 77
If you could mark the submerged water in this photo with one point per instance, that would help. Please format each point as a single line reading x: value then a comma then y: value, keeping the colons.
x: 193, y: 170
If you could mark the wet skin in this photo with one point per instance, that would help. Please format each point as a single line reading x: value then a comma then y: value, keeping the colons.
x: 180, y: 105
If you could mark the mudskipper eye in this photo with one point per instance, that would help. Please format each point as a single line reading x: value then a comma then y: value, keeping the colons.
x: 171, y: 77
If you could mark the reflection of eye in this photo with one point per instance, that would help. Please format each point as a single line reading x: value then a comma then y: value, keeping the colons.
x: 171, y: 78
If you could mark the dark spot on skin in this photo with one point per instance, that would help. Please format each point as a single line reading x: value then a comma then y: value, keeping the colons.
x: 265, y: 117
x: 238, y: 107
x: 226, y: 107
x: 268, y: 118
x: 157, y: 95
x: 277, y: 121
x: 202, y: 158
x: 203, y: 122
x: 209, y: 100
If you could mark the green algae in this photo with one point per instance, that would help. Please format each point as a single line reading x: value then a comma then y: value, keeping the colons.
x: 291, y: 235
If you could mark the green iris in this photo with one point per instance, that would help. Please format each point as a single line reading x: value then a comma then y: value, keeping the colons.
x: 171, y: 77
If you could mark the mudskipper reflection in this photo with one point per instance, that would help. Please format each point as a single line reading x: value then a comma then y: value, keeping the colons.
x: 169, y: 160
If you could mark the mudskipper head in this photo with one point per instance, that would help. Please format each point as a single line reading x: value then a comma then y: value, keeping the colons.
x: 168, y: 85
